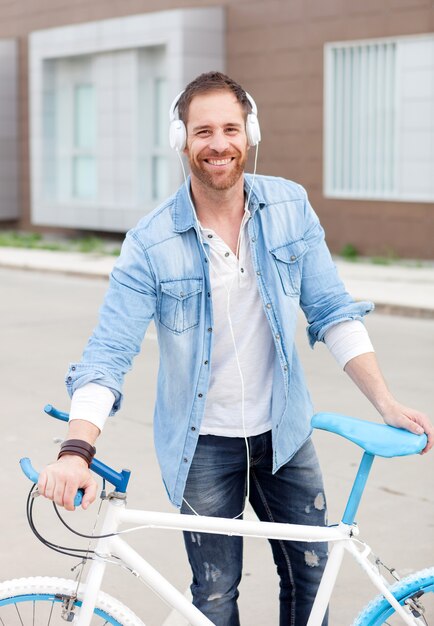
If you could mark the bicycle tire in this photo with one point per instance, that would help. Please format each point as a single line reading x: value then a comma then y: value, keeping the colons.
x: 379, y: 610
x: 39, y: 600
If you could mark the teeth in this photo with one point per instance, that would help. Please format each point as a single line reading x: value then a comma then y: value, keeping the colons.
x: 219, y: 161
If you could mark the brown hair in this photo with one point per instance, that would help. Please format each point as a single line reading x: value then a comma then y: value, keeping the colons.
x: 207, y: 82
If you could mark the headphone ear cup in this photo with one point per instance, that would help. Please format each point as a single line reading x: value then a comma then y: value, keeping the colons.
x: 177, y: 135
x: 253, y: 130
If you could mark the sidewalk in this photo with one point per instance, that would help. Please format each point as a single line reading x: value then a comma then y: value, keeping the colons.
x: 396, y: 288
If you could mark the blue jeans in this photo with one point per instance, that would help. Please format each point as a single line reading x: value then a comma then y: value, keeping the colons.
x: 216, y: 486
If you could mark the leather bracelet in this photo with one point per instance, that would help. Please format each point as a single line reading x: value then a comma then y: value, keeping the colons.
x: 78, y: 447
x: 79, y: 443
x: 74, y: 453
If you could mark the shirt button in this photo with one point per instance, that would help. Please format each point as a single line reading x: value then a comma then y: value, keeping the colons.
x: 73, y: 368
x: 209, y: 236
x: 200, y: 395
x: 205, y: 362
x: 208, y: 294
x: 210, y: 330
x: 193, y: 428
x: 285, y: 367
x: 258, y: 273
x: 268, y: 306
x: 277, y: 336
x: 181, y: 295
x: 242, y: 270
x: 69, y: 378
x: 226, y: 253
x: 253, y: 239
x: 185, y: 460
x: 293, y: 258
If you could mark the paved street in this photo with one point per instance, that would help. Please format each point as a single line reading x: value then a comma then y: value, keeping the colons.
x: 45, y: 320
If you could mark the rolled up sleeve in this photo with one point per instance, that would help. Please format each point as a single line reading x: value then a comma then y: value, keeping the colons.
x: 324, y: 299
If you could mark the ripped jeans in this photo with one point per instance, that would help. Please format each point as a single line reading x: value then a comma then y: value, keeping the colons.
x: 216, y: 486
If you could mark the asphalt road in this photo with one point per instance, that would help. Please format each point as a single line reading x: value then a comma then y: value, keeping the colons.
x: 44, y: 323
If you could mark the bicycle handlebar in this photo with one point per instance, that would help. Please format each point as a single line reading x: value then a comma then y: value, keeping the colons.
x: 33, y: 475
x: 59, y: 415
x: 118, y: 479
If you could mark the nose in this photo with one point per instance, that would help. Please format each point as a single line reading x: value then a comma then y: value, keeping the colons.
x: 219, y: 142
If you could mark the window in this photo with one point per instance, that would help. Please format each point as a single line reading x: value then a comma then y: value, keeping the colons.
x: 84, y: 130
x: 69, y: 106
x: 379, y: 119
x: 9, y: 138
x: 99, y: 97
x: 106, y: 129
x: 153, y: 163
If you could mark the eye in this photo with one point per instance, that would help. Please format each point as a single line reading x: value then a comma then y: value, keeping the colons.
x: 231, y: 130
x: 203, y: 133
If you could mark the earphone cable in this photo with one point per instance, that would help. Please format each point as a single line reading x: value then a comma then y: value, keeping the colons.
x: 229, y: 319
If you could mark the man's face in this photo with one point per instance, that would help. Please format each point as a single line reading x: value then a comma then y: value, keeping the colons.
x: 216, y: 139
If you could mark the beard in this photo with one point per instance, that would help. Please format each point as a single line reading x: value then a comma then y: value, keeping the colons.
x: 216, y: 180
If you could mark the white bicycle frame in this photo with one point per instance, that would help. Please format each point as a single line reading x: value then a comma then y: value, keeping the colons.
x: 342, y: 537
x: 373, y: 438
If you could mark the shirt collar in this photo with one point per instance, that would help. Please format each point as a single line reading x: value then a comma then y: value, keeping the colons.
x: 183, y: 215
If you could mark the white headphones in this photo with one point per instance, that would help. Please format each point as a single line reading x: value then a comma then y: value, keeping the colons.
x: 178, y: 132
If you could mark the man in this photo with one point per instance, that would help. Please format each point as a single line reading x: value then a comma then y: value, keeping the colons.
x: 221, y: 267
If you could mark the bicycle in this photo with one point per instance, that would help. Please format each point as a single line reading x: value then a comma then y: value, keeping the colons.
x: 29, y: 600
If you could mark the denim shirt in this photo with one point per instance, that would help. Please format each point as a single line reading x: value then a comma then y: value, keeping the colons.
x: 162, y: 274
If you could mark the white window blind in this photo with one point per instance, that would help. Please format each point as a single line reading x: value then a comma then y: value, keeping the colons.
x: 379, y: 119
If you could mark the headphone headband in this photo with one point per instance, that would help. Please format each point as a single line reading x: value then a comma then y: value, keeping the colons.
x: 178, y: 131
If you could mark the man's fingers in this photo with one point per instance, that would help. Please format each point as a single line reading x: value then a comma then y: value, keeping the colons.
x: 419, y: 424
x: 414, y: 427
x: 42, y: 483
x: 49, y: 487
x: 429, y: 429
x: 59, y: 491
x: 61, y: 480
x: 89, y: 494
x: 71, y: 489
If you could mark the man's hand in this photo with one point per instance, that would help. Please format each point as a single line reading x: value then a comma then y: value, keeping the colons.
x: 61, y: 480
x: 416, y: 422
x: 365, y: 372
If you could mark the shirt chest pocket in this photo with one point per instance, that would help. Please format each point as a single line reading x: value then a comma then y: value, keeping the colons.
x: 179, y: 305
x: 289, y: 263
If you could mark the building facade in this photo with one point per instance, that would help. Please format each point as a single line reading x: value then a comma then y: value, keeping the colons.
x: 344, y: 89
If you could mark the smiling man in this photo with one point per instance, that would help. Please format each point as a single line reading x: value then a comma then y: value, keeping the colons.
x: 222, y: 267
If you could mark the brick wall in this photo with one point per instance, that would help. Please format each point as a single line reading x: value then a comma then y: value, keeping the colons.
x: 275, y: 49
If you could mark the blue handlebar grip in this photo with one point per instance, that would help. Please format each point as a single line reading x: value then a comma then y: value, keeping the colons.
x: 32, y: 474
x: 29, y: 470
x: 60, y: 415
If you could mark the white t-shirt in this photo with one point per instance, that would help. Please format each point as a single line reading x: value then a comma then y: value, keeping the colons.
x: 243, y: 349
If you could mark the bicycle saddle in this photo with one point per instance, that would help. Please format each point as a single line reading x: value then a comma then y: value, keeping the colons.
x: 376, y: 439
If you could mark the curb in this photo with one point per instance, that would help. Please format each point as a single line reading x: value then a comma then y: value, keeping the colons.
x: 401, y: 291
x: 403, y: 310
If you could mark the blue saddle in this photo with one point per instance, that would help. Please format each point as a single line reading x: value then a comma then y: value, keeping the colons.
x: 376, y: 439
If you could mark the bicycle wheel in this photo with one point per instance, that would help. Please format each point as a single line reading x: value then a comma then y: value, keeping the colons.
x: 415, y: 591
x: 39, y: 601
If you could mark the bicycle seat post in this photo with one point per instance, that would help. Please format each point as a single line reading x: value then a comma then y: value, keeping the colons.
x: 358, y: 488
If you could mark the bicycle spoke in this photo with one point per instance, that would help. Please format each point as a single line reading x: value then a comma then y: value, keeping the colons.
x: 51, y: 613
x: 19, y: 615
